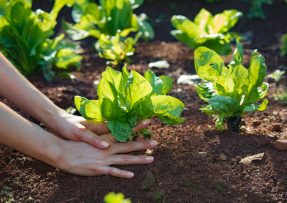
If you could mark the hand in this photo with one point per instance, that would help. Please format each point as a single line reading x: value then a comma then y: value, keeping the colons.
x: 76, y: 128
x: 83, y: 159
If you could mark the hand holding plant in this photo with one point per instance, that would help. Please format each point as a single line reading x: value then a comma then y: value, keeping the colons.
x: 83, y: 159
x: 126, y: 98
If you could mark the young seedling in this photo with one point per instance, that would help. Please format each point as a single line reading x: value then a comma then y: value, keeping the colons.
x: 207, y: 30
x: 232, y: 90
x: 118, y: 48
x: 27, y: 38
x: 116, y: 198
x: 125, y: 98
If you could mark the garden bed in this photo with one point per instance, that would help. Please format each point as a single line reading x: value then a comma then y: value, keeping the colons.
x: 193, y: 162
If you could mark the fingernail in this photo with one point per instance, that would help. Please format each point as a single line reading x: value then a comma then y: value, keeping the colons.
x: 130, y: 174
x: 153, y: 143
x: 149, y: 158
x: 105, y: 144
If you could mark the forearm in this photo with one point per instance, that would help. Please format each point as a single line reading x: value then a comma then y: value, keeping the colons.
x: 27, y: 137
x: 23, y: 94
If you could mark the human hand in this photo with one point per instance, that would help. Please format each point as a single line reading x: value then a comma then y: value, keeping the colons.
x: 76, y: 128
x: 83, y: 159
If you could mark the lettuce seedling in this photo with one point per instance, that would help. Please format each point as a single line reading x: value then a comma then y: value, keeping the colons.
x: 125, y: 98
x: 207, y: 30
x: 231, y: 90
x: 116, y: 198
x: 116, y: 48
x: 26, y: 38
x: 109, y: 17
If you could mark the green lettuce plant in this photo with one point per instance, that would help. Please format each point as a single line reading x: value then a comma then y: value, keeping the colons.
x: 207, y: 30
x: 233, y: 90
x: 116, y: 48
x: 27, y: 38
x: 116, y: 198
x: 108, y: 17
x: 125, y: 98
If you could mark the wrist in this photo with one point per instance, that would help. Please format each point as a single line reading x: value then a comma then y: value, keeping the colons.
x: 52, y: 117
x: 51, y: 153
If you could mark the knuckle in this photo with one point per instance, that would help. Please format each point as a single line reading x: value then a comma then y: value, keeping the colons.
x: 126, y: 159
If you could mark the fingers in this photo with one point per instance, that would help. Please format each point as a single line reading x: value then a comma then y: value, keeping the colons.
x: 117, y: 172
x: 84, y: 135
x: 132, y: 146
x: 111, y: 139
x: 141, y: 125
x: 99, y: 128
x: 130, y: 159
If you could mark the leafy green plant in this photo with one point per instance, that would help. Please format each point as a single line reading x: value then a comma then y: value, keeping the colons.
x: 276, y: 75
x: 256, y: 8
x: 109, y: 17
x: 116, y: 198
x: 116, y: 48
x: 283, y: 46
x: 231, y: 90
x: 26, y: 38
x: 125, y: 98
x: 207, y: 30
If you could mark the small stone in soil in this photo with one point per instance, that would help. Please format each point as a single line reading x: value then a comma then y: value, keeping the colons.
x: 222, y: 157
x: 280, y: 144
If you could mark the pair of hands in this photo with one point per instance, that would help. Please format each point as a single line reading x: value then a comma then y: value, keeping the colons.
x: 90, y: 150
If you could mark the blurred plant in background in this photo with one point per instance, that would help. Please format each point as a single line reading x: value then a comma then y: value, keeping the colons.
x: 283, y: 46
x: 116, y: 48
x: 27, y: 38
x: 110, y: 22
x: 207, y: 30
x: 108, y: 18
x: 256, y: 8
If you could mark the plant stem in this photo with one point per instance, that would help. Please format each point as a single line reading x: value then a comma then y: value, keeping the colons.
x: 233, y: 123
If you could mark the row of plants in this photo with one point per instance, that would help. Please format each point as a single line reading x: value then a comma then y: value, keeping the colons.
x: 230, y: 91
x: 29, y: 40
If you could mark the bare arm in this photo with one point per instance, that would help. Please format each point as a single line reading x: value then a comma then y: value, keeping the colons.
x: 27, y: 137
x: 74, y: 157
x: 23, y: 94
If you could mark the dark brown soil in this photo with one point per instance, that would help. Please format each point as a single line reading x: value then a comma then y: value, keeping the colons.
x: 194, y: 162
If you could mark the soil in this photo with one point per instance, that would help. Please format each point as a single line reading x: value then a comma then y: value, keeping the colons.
x: 193, y: 162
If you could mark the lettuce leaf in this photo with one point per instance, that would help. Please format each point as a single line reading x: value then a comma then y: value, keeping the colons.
x: 125, y: 98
